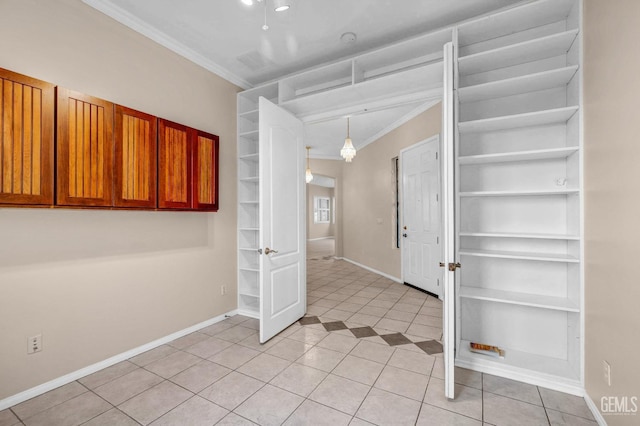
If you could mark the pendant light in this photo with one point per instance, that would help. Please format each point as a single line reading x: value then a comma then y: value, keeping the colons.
x: 308, y: 176
x: 348, y: 151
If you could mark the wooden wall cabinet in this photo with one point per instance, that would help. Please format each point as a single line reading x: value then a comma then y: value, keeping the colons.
x: 205, y: 171
x: 135, y: 159
x: 174, y: 165
x: 85, y: 150
x: 187, y: 168
x: 26, y: 140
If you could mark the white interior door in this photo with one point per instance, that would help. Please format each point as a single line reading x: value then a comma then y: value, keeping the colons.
x: 448, y: 221
x: 282, y: 220
x: 421, y: 250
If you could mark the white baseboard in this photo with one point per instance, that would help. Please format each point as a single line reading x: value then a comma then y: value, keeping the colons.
x: 370, y: 269
x: 594, y: 410
x: 321, y: 238
x: 78, y: 374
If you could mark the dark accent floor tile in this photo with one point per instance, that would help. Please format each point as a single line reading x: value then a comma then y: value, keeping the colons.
x: 361, y: 332
x: 309, y: 320
x: 396, y: 339
x: 334, y: 326
x: 430, y: 346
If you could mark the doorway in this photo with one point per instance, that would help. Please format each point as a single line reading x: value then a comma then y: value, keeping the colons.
x: 321, y: 218
x: 420, y: 216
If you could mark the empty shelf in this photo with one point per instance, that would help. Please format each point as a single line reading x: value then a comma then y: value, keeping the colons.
x: 513, y: 193
x: 541, y: 154
x: 250, y: 179
x: 517, y: 298
x: 250, y: 157
x: 543, y: 257
x: 520, y: 235
x: 250, y: 115
x: 518, y: 85
x: 537, y: 118
x: 519, y: 53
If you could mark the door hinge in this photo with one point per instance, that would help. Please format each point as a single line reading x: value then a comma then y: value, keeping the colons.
x: 437, y: 240
x: 438, y: 280
x: 437, y: 197
x: 436, y: 155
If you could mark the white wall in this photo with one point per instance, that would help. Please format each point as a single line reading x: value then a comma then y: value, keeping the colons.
x: 98, y: 283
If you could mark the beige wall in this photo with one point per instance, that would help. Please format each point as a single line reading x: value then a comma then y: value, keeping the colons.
x: 368, y: 195
x: 318, y: 230
x: 98, y: 283
x: 612, y: 182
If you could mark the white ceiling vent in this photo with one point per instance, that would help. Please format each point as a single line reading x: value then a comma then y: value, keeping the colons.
x: 254, y: 60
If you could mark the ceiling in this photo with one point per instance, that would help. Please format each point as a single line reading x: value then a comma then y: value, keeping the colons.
x: 226, y: 37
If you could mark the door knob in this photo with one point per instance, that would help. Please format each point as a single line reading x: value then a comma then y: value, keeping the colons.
x: 268, y: 251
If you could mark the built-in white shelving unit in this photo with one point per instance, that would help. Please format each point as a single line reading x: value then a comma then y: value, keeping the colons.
x: 248, y: 198
x: 518, y: 162
x: 519, y: 193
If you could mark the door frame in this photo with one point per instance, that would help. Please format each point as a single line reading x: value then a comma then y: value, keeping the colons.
x: 401, y: 201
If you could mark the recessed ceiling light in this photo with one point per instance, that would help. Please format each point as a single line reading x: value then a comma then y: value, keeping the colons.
x: 248, y: 2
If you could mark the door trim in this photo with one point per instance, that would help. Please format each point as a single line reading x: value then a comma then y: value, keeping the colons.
x: 401, y: 199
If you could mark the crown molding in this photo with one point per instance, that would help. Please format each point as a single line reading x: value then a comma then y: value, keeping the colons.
x: 139, y: 26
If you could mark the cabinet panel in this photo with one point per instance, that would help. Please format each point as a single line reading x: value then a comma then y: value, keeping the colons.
x: 174, y: 165
x: 135, y: 158
x: 205, y: 177
x: 85, y: 150
x: 26, y: 140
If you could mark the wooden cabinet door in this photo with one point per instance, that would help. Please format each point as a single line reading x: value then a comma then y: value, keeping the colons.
x: 205, y: 171
x: 135, y: 159
x: 85, y: 150
x: 26, y: 140
x: 174, y: 165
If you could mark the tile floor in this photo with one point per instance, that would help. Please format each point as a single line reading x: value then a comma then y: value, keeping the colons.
x: 306, y: 375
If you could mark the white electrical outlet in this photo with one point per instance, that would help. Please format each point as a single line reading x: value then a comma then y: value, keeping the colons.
x: 223, y: 290
x: 607, y: 372
x: 34, y: 344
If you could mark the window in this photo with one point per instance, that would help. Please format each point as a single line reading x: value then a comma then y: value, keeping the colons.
x: 395, y: 162
x: 321, y: 210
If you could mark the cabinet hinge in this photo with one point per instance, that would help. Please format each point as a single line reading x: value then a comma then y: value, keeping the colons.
x: 437, y: 197
x: 436, y: 155
x: 438, y: 280
x: 437, y: 240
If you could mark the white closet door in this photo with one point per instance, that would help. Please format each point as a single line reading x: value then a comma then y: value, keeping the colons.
x: 448, y: 221
x: 283, y: 282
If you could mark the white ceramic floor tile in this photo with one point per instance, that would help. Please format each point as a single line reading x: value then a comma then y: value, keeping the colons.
x: 373, y: 351
x: 511, y: 389
x: 499, y: 410
x: 269, y: 406
x: 321, y: 358
x: 75, y: 411
x: 430, y: 416
x: 359, y: 370
x: 384, y: 408
x: 342, y: 394
x: 565, y: 403
x: 299, y: 379
x: 312, y: 413
x: 232, y: 390
x: 557, y: 418
x: 402, y: 382
x: 234, y: 356
x: 468, y: 401
x: 195, y: 411
x: 47, y: 400
x: 264, y: 367
x: 155, y: 402
x: 200, y: 376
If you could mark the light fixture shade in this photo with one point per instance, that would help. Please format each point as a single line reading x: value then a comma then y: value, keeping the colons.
x: 247, y: 2
x: 348, y: 151
x: 308, y: 176
x: 281, y: 5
